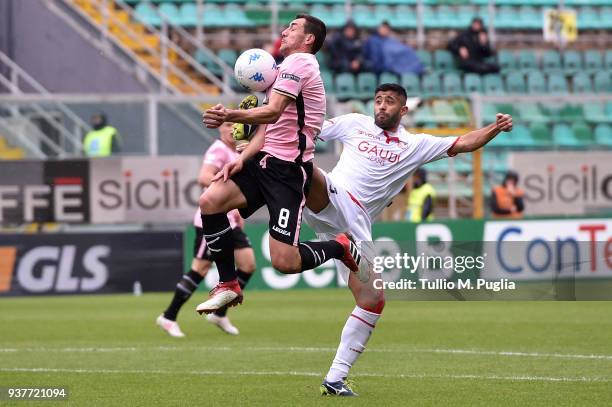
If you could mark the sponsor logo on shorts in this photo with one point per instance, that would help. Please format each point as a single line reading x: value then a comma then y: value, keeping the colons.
x: 281, y: 231
x: 290, y: 76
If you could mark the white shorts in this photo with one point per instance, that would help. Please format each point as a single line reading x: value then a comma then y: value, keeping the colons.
x: 343, y: 214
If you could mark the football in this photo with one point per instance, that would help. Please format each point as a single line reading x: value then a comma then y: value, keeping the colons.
x: 256, y: 70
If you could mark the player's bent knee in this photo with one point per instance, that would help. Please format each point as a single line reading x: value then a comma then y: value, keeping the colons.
x: 207, y: 205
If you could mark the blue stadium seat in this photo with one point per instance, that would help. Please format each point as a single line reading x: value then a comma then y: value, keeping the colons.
x: 551, y: 61
x: 387, y: 77
x: 593, y: 60
x: 528, y: 60
x: 443, y: 60
x: 189, y: 14
x: 403, y: 18
x: 557, y: 83
x: 515, y: 83
x: 431, y: 85
x: 147, y: 14
x: 564, y: 137
x: 507, y: 60
x: 366, y: 84
x: 411, y: 83
x: 541, y: 135
x: 345, y: 86
x: 536, y: 83
x: 426, y: 58
x: 581, y: 83
x: 493, y: 84
x: 529, y: 18
x: 171, y: 13
x: 601, y: 82
x: 472, y: 83
x: 328, y: 81
x: 603, y: 135
x: 572, y: 62
x: 451, y: 83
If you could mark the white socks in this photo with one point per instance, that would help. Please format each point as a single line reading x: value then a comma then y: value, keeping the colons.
x: 355, y: 336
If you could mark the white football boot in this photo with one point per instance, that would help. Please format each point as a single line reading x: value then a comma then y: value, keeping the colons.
x: 169, y: 326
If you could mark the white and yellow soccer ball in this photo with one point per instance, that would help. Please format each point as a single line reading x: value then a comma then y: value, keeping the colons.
x: 256, y: 70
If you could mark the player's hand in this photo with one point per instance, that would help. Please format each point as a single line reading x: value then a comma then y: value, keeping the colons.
x: 503, y: 122
x: 228, y: 170
x: 215, y: 116
x: 240, y: 147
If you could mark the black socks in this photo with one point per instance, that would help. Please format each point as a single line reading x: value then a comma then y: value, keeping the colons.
x: 218, y: 235
x: 188, y: 284
x: 314, y: 254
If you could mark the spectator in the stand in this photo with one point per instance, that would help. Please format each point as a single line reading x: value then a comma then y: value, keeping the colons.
x: 507, y: 198
x: 421, y: 198
x: 471, y: 48
x: 383, y: 53
x: 345, y: 50
x: 103, y: 140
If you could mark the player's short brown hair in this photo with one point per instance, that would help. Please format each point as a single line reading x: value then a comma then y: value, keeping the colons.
x: 315, y: 27
x: 392, y: 87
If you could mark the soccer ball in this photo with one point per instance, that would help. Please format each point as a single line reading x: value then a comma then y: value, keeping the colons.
x: 256, y: 70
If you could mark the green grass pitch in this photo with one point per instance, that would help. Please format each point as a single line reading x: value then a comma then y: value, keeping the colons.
x: 108, y: 352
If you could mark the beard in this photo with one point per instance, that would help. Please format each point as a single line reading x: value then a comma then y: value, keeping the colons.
x: 388, y: 122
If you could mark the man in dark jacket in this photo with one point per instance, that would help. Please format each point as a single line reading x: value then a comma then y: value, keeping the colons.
x: 471, y: 47
x: 345, y: 50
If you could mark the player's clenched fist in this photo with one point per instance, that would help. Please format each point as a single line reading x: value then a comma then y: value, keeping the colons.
x: 215, y: 116
x: 503, y: 122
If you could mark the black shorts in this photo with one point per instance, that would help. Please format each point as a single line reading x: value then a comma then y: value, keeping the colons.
x: 200, y: 248
x: 280, y: 185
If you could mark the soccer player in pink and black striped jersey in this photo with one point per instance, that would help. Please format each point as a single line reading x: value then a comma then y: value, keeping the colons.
x: 275, y: 169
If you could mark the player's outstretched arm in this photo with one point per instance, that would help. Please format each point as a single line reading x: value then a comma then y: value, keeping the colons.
x: 473, y: 140
x: 265, y: 114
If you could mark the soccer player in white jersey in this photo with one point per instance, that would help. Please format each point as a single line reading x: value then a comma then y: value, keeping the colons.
x: 378, y: 157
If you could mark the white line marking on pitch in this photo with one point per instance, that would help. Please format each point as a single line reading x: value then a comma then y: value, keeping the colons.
x: 311, y: 349
x: 306, y: 374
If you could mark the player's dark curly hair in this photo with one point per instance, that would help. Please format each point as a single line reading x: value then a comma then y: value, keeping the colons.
x: 315, y: 27
x: 392, y: 87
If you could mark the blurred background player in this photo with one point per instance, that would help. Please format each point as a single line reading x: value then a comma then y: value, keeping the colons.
x: 275, y: 169
x: 507, y: 198
x: 220, y: 153
x: 378, y: 157
x: 421, y: 198
x: 103, y: 140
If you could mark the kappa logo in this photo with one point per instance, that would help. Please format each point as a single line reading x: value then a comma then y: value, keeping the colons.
x: 290, y: 76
